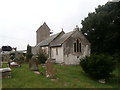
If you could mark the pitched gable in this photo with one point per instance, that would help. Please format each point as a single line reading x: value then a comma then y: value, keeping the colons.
x: 58, y: 42
x: 42, y: 27
x: 62, y: 39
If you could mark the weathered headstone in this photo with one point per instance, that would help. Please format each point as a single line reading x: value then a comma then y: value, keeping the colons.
x: 5, y: 73
x: 49, y: 69
x: 33, y: 64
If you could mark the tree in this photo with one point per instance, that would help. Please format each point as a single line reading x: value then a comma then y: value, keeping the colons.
x: 6, y: 48
x: 12, y: 56
x: 42, y: 56
x: 102, y: 28
x: 28, y: 54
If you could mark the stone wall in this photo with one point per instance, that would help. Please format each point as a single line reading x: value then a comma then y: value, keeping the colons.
x: 70, y: 56
x: 42, y: 33
x: 57, y: 54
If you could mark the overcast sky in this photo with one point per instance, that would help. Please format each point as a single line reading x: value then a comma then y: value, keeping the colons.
x: 19, y: 19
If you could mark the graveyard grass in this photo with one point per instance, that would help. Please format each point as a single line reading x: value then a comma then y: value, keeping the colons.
x: 68, y: 77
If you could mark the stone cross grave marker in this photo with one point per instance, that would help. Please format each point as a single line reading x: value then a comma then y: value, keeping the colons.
x: 49, y: 69
x: 33, y: 64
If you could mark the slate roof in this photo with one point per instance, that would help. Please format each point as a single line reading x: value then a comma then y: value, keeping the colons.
x: 60, y: 41
x: 54, y: 41
x: 47, y: 41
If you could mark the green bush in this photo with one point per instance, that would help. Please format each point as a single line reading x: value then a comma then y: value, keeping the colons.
x: 98, y: 66
x: 29, y: 55
x: 42, y: 56
x: 117, y: 57
x: 12, y: 56
x: 21, y: 59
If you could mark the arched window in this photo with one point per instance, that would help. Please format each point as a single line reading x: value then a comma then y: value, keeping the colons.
x: 77, y: 46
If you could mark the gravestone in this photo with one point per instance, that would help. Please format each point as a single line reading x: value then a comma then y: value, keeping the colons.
x: 33, y: 64
x: 13, y: 64
x: 5, y: 73
x: 49, y: 69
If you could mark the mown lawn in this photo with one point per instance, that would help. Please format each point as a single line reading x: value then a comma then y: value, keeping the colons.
x: 68, y: 77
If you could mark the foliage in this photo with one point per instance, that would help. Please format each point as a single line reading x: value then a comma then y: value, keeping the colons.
x: 42, y: 57
x: 28, y: 48
x: 102, y: 28
x: 6, y: 48
x: 12, y: 56
x: 117, y: 57
x: 4, y: 65
x: 28, y: 54
x: 98, y: 66
x: 21, y: 59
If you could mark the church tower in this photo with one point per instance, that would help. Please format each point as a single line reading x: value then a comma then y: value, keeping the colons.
x: 43, y: 32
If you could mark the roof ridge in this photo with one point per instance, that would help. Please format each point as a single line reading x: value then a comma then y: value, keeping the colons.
x: 58, y: 35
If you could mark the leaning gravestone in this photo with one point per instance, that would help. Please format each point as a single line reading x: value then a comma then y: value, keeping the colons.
x: 33, y: 64
x: 49, y: 69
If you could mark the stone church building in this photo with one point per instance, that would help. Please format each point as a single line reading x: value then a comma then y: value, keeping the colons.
x: 65, y: 48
